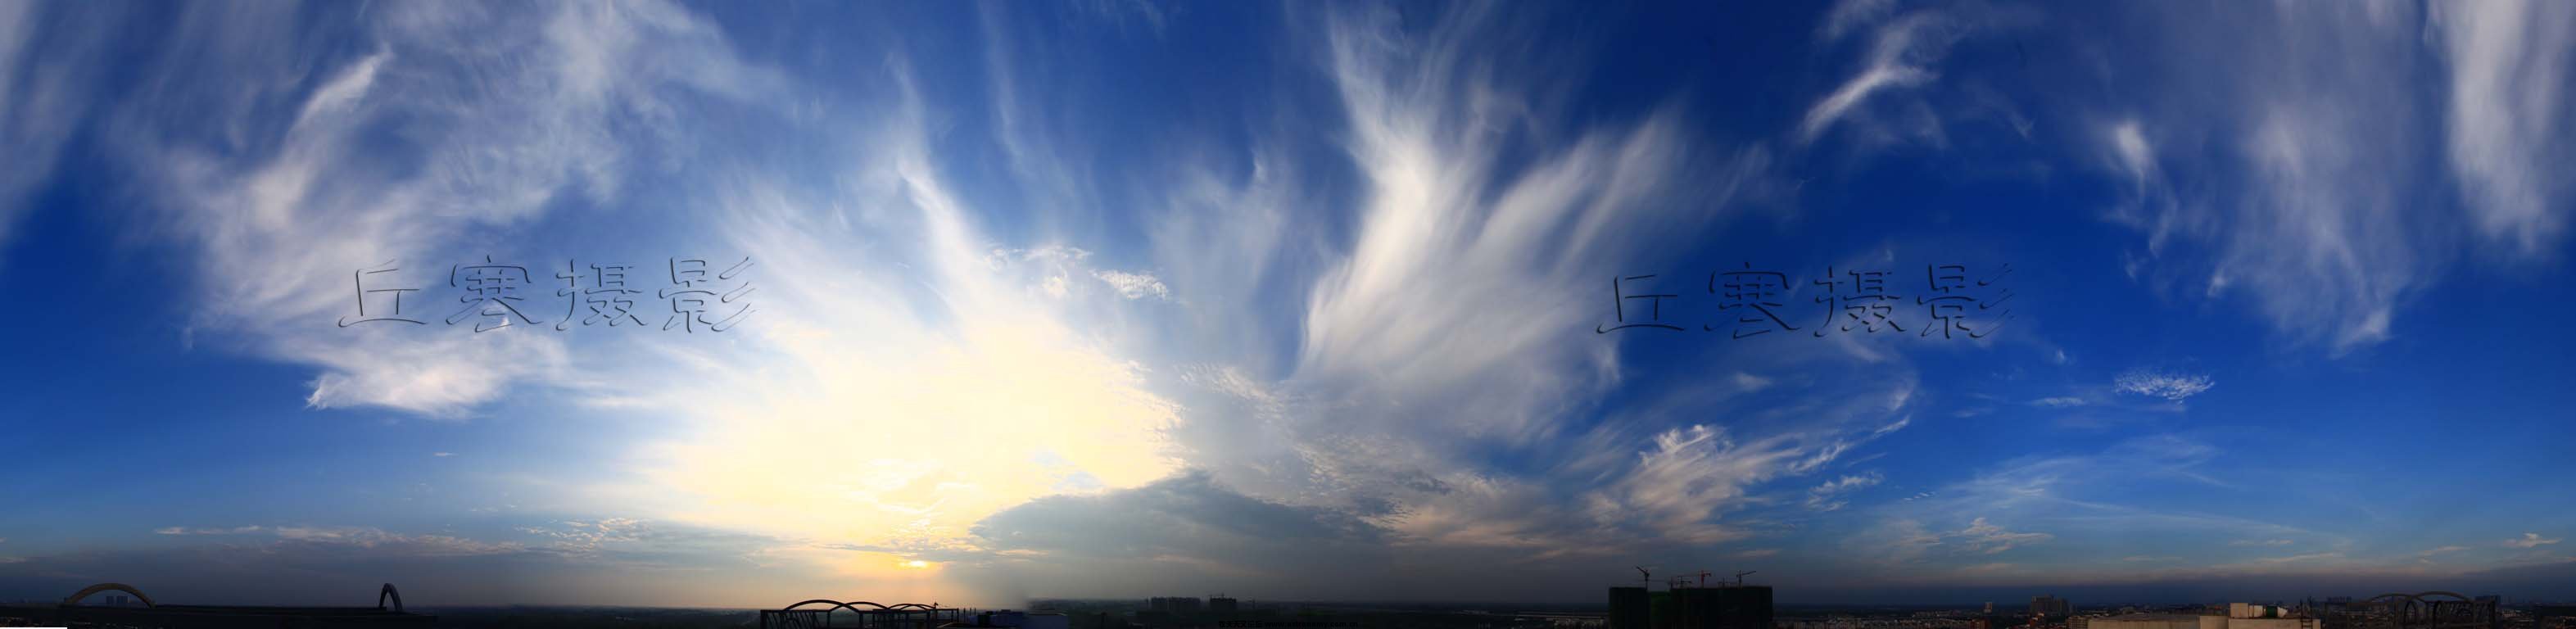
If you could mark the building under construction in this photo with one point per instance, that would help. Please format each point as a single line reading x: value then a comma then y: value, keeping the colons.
x: 1687, y: 604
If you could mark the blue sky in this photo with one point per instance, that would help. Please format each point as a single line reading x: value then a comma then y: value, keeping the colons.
x: 1116, y: 299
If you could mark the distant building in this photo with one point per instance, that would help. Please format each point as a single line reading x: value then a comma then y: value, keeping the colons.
x: 1020, y: 619
x: 1174, y: 604
x: 2547, y: 616
x: 1223, y: 605
x: 2051, y: 607
x: 2143, y: 621
x: 2253, y: 610
x: 2239, y: 616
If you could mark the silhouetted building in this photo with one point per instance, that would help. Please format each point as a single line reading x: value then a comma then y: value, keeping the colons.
x: 1175, y: 604
x: 1628, y: 608
x: 1720, y: 607
x: 2051, y: 607
x: 1743, y: 607
x: 134, y: 609
x: 1223, y: 605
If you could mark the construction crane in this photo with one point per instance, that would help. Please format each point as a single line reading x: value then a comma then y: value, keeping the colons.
x: 1645, y: 579
x: 1739, y: 577
x: 1703, y: 578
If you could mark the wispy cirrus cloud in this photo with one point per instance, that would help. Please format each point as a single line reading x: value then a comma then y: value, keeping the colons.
x: 1899, y: 56
x: 2174, y: 387
x: 2505, y: 126
x: 2530, y: 540
x: 181, y: 530
x: 2314, y: 231
x: 1907, y: 540
x: 1825, y: 496
x: 278, y: 230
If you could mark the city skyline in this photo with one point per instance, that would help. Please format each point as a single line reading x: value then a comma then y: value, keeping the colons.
x: 735, y: 304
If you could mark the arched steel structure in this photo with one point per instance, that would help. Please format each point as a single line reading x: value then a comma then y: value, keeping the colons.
x: 389, y: 592
x: 871, y: 615
x: 108, y: 587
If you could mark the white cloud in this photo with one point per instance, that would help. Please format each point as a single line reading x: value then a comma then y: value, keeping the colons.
x: 2282, y: 206
x: 1823, y: 497
x: 1983, y: 537
x: 2170, y: 386
x: 40, y: 89
x: 1751, y: 383
x: 278, y: 235
x: 2530, y: 540
x: 1689, y: 474
x: 1899, y: 56
x: 1882, y: 75
x: 1446, y: 229
x: 238, y: 530
x: 1908, y: 540
x: 361, y: 537
x: 2134, y: 153
x: 2260, y: 542
x: 2507, y: 131
x: 2310, y: 557
x: 1133, y: 285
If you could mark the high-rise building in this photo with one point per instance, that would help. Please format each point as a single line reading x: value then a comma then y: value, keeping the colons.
x: 1743, y: 607
x: 1720, y: 607
x: 1223, y: 605
x: 1628, y: 607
